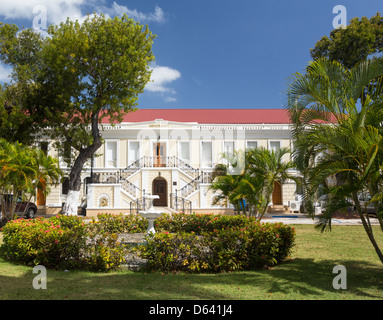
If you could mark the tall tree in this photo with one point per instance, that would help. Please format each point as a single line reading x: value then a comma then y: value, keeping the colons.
x: 20, y: 116
x: 81, y: 74
x: 361, y: 39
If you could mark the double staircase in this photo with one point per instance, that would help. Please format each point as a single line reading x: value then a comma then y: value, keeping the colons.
x: 177, y: 202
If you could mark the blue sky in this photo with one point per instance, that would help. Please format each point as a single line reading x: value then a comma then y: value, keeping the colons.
x: 212, y: 54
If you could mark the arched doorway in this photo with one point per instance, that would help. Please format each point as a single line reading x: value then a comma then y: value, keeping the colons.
x: 160, y: 188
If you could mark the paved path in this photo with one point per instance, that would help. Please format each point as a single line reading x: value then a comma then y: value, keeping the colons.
x: 302, y: 219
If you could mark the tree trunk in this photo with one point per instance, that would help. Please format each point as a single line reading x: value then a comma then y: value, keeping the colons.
x: 367, y: 227
x: 71, y: 205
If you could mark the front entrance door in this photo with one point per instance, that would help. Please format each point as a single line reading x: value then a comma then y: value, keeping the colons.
x: 277, y: 193
x: 40, y: 193
x: 159, y: 152
x: 160, y: 188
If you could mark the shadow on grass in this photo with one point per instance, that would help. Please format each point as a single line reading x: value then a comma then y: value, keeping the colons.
x: 308, y: 277
x: 296, y: 279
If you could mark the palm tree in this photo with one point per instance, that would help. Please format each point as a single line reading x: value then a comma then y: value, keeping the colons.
x: 227, y: 185
x: 22, y: 171
x: 255, y: 184
x: 338, y: 130
x: 270, y: 167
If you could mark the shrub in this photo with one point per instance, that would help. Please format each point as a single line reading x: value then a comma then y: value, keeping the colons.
x: 104, y: 252
x: 200, y: 223
x: 193, y: 243
x: 52, y: 243
x: 175, y: 252
x: 60, y: 242
x: 251, y: 245
x: 132, y: 223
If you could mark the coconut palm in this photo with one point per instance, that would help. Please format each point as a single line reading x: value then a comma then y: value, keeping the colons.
x: 338, y: 117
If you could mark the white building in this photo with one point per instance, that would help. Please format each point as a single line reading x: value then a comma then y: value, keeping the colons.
x: 171, y: 153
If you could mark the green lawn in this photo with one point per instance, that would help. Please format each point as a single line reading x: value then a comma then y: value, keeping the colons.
x: 307, y: 276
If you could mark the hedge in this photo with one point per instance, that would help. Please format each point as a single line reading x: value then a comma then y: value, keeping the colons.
x: 60, y: 242
x: 228, y: 249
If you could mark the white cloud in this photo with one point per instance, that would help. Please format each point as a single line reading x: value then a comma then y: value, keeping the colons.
x: 5, y: 73
x: 118, y: 10
x: 161, y: 77
x: 59, y: 10
x: 56, y: 10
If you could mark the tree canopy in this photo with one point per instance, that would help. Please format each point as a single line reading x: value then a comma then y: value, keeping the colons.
x: 362, y: 39
x: 81, y: 73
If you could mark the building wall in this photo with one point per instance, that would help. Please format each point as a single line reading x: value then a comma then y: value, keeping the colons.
x: 143, y: 179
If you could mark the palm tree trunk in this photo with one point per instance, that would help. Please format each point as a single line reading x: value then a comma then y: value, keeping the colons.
x: 367, y: 227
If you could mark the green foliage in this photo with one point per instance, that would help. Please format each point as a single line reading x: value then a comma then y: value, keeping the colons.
x: 199, y: 223
x: 228, y: 249
x: 262, y: 168
x: 60, y: 242
x: 131, y: 223
x: 337, y: 116
x: 69, y: 81
x: 24, y: 169
x: 43, y: 241
x: 193, y: 243
x: 349, y: 46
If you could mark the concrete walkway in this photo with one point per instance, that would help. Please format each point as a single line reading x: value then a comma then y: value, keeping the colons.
x: 300, y: 218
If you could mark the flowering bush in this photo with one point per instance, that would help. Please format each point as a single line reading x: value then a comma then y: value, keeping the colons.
x: 239, y: 244
x: 55, y: 242
x: 194, y: 243
x: 131, y: 223
x: 199, y: 223
x: 174, y: 252
x: 60, y: 242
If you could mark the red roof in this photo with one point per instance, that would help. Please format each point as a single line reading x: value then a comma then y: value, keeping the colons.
x: 210, y: 116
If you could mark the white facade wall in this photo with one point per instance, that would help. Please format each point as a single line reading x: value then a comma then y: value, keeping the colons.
x: 170, y: 134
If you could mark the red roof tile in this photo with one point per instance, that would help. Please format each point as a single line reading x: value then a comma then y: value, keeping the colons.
x: 210, y: 116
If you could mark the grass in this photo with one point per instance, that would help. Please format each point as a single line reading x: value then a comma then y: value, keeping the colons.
x: 308, y: 275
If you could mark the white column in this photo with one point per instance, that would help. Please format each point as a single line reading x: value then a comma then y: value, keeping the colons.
x: 89, y: 197
x: 202, y: 196
x: 174, y: 179
x: 117, y: 196
x: 144, y: 181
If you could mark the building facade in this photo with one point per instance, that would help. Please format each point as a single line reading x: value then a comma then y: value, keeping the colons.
x: 171, y: 153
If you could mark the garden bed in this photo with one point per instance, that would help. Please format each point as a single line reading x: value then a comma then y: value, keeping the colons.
x: 191, y: 243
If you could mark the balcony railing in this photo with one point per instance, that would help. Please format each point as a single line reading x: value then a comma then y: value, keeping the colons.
x: 180, y: 204
x: 161, y: 161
